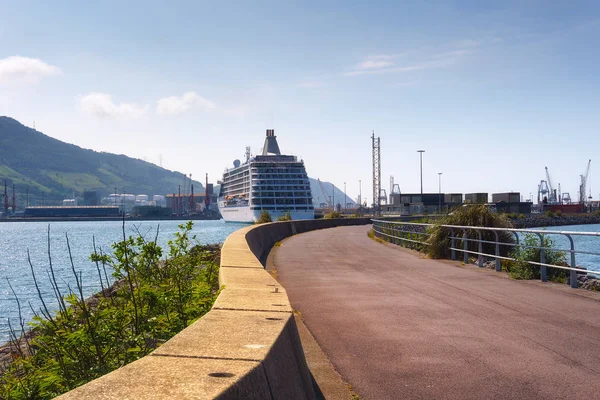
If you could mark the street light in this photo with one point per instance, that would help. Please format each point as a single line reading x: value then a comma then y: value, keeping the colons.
x: 345, y: 201
x: 440, y: 190
x: 421, y: 157
x: 333, y: 196
x: 359, y: 194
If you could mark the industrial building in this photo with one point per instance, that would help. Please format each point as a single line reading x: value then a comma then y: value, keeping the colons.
x: 189, y: 204
x: 510, y: 202
x: 476, y: 198
x: 417, y: 203
x: 71, y: 211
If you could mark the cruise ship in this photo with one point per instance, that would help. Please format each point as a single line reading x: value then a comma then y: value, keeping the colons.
x: 267, y: 182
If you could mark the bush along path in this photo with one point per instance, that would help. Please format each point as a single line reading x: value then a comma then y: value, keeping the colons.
x: 149, y: 300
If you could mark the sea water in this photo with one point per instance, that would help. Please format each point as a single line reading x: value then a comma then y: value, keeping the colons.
x: 17, y: 238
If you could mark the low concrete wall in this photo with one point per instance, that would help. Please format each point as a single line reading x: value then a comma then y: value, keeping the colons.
x: 246, y: 347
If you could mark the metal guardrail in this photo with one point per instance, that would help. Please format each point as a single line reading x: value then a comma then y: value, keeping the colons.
x: 396, y: 230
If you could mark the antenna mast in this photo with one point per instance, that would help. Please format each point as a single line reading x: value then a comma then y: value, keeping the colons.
x: 376, y: 146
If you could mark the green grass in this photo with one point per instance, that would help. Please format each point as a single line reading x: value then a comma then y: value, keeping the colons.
x: 74, y: 180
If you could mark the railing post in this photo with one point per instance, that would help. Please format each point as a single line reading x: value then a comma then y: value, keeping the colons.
x: 498, y: 265
x: 572, y: 273
x: 480, y: 247
x: 465, y: 247
x: 452, y: 242
x: 543, y: 269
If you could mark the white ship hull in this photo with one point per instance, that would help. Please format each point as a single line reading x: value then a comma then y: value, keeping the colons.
x: 248, y: 216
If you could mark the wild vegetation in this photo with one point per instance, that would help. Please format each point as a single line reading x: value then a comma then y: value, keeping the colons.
x: 332, y: 215
x: 149, y: 299
x: 285, y: 217
x: 264, y: 217
x: 521, y: 269
x: 439, y: 241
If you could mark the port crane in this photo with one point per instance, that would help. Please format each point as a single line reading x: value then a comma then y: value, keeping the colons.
x: 552, y: 198
x: 543, y: 191
x: 324, y: 194
x: 583, y: 184
x: 546, y: 193
x: 394, y: 188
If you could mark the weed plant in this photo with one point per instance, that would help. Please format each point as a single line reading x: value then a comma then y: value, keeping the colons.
x: 521, y: 269
x: 285, y: 217
x: 332, y: 215
x: 264, y: 217
x: 149, y: 301
x: 439, y: 241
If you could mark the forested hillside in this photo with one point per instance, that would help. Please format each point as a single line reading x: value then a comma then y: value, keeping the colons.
x: 55, y: 170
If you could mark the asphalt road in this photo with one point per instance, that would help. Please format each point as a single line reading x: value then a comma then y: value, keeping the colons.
x: 397, y: 326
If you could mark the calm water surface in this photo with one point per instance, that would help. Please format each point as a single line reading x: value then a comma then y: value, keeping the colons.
x: 585, y: 243
x: 18, y: 237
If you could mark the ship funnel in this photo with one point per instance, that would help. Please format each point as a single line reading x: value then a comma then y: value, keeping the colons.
x: 271, y: 147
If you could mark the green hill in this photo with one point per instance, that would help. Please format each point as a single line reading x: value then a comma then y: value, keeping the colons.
x: 55, y: 170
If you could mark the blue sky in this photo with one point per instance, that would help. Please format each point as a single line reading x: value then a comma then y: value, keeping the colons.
x: 493, y: 93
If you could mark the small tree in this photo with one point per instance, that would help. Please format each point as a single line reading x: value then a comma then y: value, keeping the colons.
x: 473, y: 215
x: 521, y: 269
x: 264, y: 217
x: 332, y: 215
x: 285, y: 217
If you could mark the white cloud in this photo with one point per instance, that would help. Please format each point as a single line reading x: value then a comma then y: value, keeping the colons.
x: 101, y: 105
x: 384, y: 64
x: 453, y: 54
x: 174, y: 105
x: 311, y: 84
x: 374, y: 64
x: 17, y: 69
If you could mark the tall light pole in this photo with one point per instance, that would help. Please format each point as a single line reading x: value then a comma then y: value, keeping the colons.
x: 359, y: 194
x: 440, y: 190
x: 421, y: 158
x: 345, y: 201
x: 333, y: 196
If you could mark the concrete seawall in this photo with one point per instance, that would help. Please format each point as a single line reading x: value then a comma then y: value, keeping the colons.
x: 247, y: 346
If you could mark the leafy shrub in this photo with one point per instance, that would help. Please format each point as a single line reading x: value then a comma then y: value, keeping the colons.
x: 264, y: 217
x: 558, y: 213
x: 149, y: 302
x: 521, y: 269
x: 332, y: 215
x: 521, y: 216
x: 285, y: 217
x: 549, y: 214
x: 475, y: 215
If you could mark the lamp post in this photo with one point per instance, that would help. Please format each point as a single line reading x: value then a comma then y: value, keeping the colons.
x: 333, y: 196
x: 421, y: 162
x: 115, y: 196
x: 440, y: 191
x: 359, y: 194
x: 345, y: 201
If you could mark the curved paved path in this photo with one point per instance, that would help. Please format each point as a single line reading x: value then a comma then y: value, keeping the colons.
x: 399, y: 326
